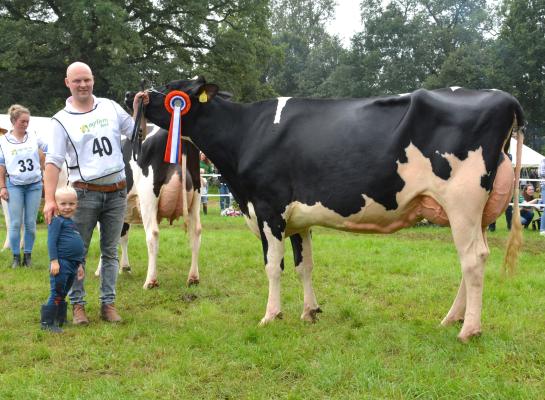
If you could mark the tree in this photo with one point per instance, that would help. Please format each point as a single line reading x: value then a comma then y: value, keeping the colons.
x: 298, y: 27
x: 405, y: 43
x: 521, y: 54
x: 242, y: 54
x: 122, y: 40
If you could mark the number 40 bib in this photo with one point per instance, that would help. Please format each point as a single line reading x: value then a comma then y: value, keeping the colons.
x: 96, y: 140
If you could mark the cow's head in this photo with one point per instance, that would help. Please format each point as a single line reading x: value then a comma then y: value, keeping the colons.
x: 197, y: 89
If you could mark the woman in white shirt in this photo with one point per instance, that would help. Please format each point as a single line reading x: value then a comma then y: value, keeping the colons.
x: 21, y: 181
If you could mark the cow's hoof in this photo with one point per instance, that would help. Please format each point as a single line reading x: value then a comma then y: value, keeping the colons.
x: 125, y: 269
x: 151, y: 284
x: 268, y: 319
x: 465, y: 337
x: 451, y: 321
x: 311, y: 315
x: 192, y: 282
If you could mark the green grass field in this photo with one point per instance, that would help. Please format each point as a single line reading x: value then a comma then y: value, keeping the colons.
x: 378, y: 338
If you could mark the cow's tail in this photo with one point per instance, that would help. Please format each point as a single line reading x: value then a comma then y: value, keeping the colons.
x: 514, y: 242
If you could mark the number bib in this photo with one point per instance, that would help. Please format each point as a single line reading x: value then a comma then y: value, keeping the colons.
x: 96, y: 140
x: 22, y: 160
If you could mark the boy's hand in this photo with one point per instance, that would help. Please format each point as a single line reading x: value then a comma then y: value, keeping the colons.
x: 81, y: 272
x: 55, y: 267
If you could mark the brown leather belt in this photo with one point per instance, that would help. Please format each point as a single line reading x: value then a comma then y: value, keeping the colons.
x: 114, y: 187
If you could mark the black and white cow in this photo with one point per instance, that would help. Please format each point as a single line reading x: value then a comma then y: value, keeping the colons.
x: 359, y: 165
x: 154, y: 192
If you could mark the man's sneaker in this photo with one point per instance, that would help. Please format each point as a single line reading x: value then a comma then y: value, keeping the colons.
x: 78, y: 315
x: 109, y: 313
x: 542, y: 233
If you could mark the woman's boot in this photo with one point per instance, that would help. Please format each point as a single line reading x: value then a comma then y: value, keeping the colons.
x: 16, y: 261
x: 27, y: 260
x: 49, y: 312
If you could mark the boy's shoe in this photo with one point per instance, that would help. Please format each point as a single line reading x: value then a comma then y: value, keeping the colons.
x: 47, y: 321
x: 542, y: 233
x: 109, y: 313
x: 78, y: 315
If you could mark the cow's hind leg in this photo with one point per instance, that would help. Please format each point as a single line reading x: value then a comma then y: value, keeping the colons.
x: 458, y: 308
x: 473, y: 252
x: 195, y: 230
x: 273, y: 250
x: 302, y: 254
x: 124, y: 243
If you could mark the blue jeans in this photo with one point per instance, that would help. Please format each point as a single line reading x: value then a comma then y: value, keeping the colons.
x: 23, y: 202
x: 542, y: 201
x: 62, y: 282
x: 109, y: 210
x: 225, y: 201
x: 526, y: 217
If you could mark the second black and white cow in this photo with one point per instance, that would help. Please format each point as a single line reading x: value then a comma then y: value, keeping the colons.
x: 154, y: 192
x: 359, y: 165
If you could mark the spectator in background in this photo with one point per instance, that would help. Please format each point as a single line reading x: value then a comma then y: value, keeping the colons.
x: 21, y: 181
x: 526, y: 213
x: 225, y: 198
x: 206, y: 164
x: 541, y: 174
x: 204, y: 193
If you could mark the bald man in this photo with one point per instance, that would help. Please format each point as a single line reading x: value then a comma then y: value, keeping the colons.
x: 87, y: 134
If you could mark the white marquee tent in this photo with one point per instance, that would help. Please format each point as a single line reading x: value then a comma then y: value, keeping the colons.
x: 530, y: 158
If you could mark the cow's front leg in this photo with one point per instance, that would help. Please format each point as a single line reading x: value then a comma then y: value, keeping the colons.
x: 195, y: 230
x: 148, y: 207
x: 273, y: 250
x: 302, y: 255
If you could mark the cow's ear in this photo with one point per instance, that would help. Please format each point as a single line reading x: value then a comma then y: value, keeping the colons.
x: 207, y: 92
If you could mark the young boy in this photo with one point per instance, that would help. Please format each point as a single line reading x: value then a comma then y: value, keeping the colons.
x: 66, y: 251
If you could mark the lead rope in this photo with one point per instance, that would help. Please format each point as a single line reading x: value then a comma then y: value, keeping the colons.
x: 136, y: 138
x: 184, y: 188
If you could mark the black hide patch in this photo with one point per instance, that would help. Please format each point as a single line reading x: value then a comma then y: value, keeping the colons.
x: 334, y: 151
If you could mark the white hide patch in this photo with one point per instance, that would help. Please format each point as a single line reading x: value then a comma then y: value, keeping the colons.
x: 455, y: 88
x: 461, y: 194
x: 251, y: 221
x: 279, y: 107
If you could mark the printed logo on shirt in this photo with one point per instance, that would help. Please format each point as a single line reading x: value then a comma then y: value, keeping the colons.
x: 22, y: 150
x: 100, y: 123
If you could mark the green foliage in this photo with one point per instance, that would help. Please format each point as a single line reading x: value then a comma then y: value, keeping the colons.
x: 378, y: 337
x: 259, y: 49
x: 309, y: 54
x: 521, y: 45
x: 124, y: 42
x: 241, y: 54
